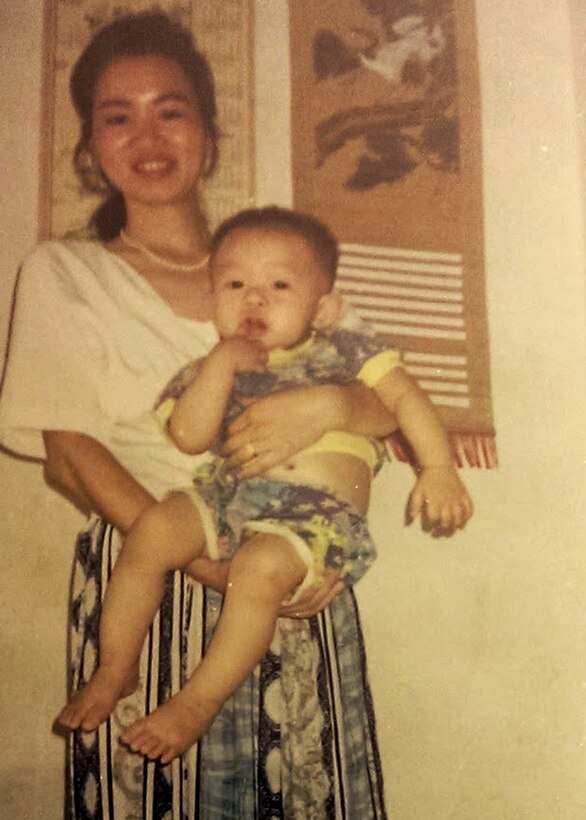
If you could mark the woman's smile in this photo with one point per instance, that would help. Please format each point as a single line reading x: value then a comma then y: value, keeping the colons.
x: 156, y: 168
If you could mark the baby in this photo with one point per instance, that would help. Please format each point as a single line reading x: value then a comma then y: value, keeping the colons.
x: 273, y: 272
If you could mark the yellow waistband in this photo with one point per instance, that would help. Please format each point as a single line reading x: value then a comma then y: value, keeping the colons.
x: 338, y: 441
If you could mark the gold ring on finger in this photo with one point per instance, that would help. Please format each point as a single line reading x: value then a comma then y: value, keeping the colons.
x: 250, y: 451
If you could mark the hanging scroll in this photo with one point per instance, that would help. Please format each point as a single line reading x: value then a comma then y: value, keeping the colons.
x: 386, y: 150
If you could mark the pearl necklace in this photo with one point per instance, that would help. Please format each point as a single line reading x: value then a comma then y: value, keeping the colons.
x: 188, y: 267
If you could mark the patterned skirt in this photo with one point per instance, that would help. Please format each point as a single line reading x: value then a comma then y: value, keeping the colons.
x: 296, y: 741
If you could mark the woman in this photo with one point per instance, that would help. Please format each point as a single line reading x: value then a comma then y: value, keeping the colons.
x: 99, y: 328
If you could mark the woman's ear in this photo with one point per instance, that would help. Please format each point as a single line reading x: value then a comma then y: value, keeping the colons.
x: 207, y: 157
x: 328, y: 311
x: 89, y: 165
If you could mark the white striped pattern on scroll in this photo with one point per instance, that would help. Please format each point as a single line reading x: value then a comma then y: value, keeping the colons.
x: 413, y: 294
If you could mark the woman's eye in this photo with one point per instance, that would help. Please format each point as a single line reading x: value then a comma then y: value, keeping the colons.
x: 116, y: 119
x: 235, y: 284
x: 280, y: 285
x: 172, y: 113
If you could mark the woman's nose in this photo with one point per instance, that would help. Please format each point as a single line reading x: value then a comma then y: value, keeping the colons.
x: 146, y: 129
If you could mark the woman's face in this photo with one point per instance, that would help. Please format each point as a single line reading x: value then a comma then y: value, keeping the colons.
x: 147, y: 131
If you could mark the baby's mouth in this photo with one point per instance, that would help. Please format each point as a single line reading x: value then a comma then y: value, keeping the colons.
x: 253, y: 327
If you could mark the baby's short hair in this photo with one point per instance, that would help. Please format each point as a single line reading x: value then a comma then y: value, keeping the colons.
x: 272, y: 217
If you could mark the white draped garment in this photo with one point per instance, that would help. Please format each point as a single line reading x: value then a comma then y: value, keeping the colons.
x: 91, y: 346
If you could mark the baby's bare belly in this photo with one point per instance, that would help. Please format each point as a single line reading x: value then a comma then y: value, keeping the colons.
x: 346, y: 476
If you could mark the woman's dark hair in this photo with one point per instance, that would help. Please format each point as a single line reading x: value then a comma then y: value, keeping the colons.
x: 135, y: 35
x: 272, y: 217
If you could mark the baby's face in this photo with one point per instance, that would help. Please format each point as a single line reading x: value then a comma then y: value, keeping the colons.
x: 268, y: 286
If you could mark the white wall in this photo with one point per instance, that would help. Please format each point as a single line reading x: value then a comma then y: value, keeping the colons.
x: 19, y: 115
x: 34, y: 574
x: 477, y: 645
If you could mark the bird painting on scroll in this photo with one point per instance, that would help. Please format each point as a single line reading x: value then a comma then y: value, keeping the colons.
x: 384, y: 87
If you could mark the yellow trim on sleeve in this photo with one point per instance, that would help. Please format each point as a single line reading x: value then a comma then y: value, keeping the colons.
x: 374, y: 369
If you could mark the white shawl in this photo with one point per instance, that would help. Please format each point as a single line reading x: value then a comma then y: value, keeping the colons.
x: 91, y: 346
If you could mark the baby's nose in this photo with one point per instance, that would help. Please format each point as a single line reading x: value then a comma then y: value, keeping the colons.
x: 255, y: 295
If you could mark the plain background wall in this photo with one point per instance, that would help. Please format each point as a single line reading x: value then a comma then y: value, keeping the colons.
x: 35, y: 560
x: 477, y: 645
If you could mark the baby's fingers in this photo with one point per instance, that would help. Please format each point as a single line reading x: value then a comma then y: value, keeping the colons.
x: 466, y: 509
x: 448, y: 519
x: 454, y: 515
x: 415, y: 505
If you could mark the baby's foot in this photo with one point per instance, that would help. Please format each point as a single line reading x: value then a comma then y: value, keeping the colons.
x: 171, y: 729
x: 95, y: 702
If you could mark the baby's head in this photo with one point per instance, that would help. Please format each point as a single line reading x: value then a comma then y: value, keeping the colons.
x: 273, y: 272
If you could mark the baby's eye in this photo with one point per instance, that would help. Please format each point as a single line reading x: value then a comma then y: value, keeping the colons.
x: 280, y: 284
x: 234, y: 284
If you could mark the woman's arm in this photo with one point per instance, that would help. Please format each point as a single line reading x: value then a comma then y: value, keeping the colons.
x: 89, y: 475
x: 282, y: 424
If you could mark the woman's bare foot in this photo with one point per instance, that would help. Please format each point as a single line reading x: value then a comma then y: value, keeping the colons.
x: 95, y: 702
x: 172, y: 728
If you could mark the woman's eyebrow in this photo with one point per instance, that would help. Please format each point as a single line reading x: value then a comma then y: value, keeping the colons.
x: 112, y: 102
x: 171, y: 96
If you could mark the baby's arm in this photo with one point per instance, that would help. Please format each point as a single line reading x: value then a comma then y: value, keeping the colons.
x: 439, y: 493
x: 197, y: 415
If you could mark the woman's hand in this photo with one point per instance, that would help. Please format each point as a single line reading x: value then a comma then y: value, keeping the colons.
x: 214, y: 574
x: 276, y: 427
x: 314, y: 599
x: 210, y: 573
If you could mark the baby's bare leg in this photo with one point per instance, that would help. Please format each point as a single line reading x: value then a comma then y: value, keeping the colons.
x: 167, y: 536
x: 263, y: 573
